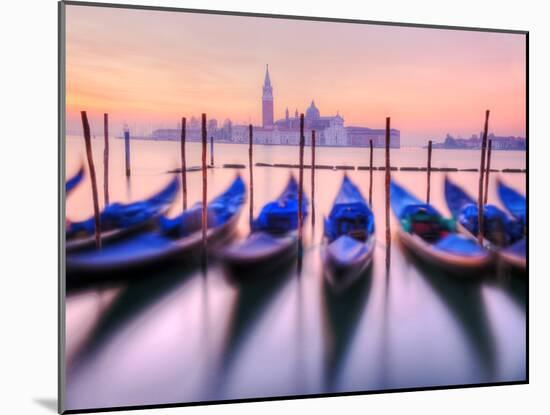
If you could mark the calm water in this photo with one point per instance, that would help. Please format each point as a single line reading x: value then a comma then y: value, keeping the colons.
x: 175, y: 336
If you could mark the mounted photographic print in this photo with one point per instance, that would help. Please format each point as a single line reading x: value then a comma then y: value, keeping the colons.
x: 264, y: 207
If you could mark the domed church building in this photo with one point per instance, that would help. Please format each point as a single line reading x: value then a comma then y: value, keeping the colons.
x: 329, y: 130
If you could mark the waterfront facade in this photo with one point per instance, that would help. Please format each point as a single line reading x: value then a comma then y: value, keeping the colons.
x: 329, y: 129
x: 361, y: 137
x: 474, y: 143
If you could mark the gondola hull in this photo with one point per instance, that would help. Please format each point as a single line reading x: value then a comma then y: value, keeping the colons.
x: 501, y: 244
x: 515, y: 256
x: 434, y: 239
x: 349, y: 236
x: 146, y: 249
x: 273, y: 240
x: 499, y: 229
x: 345, y: 260
x: 87, y: 242
x: 260, y: 253
x: 157, y: 205
x: 174, y: 238
x: 513, y: 201
x: 485, y: 242
x: 453, y: 263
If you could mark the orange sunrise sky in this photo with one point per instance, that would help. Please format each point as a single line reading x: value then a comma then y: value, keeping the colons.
x: 150, y: 68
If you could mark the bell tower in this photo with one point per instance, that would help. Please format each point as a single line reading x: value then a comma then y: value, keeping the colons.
x: 267, y: 101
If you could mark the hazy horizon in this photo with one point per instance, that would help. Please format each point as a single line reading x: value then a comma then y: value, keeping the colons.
x: 150, y: 68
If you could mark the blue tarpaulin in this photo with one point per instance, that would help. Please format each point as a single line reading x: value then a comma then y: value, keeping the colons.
x: 122, y: 216
x: 281, y: 215
x: 350, y: 214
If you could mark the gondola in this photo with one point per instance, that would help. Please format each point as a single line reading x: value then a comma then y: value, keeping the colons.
x: 499, y: 230
x: 515, y: 254
x: 433, y: 238
x: 119, y: 219
x: 513, y: 201
x: 516, y: 204
x: 74, y: 181
x: 273, y: 239
x: 349, y: 236
x: 176, y: 238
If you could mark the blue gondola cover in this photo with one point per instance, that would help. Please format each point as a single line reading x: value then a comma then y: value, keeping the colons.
x: 350, y: 214
x: 497, y: 226
x: 436, y: 230
x: 514, y: 202
x: 123, y: 216
x: 281, y: 215
x: 74, y: 181
x: 219, y: 211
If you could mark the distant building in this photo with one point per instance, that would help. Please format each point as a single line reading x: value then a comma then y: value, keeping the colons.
x: 194, y: 124
x: 267, y: 101
x: 361, y: 136
x: 193, y: 131
x: 474, y: 143
x: 329, y: 130
x: 226, y: 130
x: 212, y: 125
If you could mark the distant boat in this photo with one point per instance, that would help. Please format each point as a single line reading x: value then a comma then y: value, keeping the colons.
x: 349, y: 232
x: 119, y: 219
x: 175, y: 238
x: 499, y: 230
x: 433, y: 238
x: 273, y: 239
x: 74, y: 181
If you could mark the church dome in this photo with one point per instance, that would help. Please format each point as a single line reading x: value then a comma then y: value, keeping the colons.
x: 312, y: 113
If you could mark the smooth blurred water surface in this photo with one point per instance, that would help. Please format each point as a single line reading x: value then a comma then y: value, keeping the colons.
x: 175, y: 336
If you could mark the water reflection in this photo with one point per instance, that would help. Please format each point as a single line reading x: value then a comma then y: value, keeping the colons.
x: 300, y: 258
x: 135, y: 297
x: 513, y: 283
x: 515, y: 286
x: 243, y: 340
x: 171, y: 334
x: 300, y: 343
x: 129, y: 189
x: 462, y: 296
x: 84, y: 311
x: 384, y: 352
x: 342, y: 313
x: 253, y: 297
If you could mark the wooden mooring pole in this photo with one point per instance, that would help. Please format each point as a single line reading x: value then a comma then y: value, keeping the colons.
x: 387, y: 188
x: 212, y: 151
x: 204, y: 191
x: 127, y: 150
x: 312, y: 178
x: 301, y: 179
x: 429, y: 170
x: 87, y: 141
x: 481, y: 172
x: 251, y: 174
x: 106, y: 159
x: 183, y: 163
x: 370, y: 173
x: 487, y: 173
